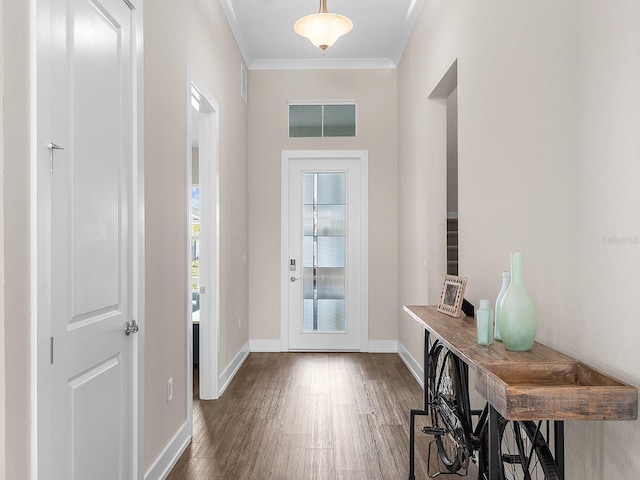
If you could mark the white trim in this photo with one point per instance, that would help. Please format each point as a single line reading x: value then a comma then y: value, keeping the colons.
x: 233, y: 367
x: 364, y: 249
x: 232, y: 20
x: 363, y: 157
x: 322, y: 102
x: 139, y: 252
x: 411, y: 363
x: 170, y: 454
x: 42, y: 394
x: 273, y: 345
x: 323, y: 64
x: 209, y: 332
x: 383, y: 346
x: 412, y: 16
x: 284, y: 252
x: 39, y: 25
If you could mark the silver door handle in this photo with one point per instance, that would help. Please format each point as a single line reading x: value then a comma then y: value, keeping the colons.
x: 294, y: 279
x: 132, y: 327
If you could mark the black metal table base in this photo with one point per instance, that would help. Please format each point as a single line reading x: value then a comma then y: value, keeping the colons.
x: 494, y: 452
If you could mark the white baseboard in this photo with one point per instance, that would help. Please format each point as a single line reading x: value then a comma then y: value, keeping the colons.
x: 170, y: 455
x: 231, y: 370
x: 375, y: 346
x: 413, y: 366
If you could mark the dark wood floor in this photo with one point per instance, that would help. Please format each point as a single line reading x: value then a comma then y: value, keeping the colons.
x: 304, y: 416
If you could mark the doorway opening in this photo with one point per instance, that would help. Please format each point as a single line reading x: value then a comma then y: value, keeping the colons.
x: 202, y: 260
x: 452, y: 183
x: 442, y: 208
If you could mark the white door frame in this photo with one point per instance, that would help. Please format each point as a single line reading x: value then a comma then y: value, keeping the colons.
x: 41, y: 391
x: 209, y: 271
x: 287, y: 156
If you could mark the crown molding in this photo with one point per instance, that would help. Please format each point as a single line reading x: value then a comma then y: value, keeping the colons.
x: 323, y: 64
x: 232, y: 21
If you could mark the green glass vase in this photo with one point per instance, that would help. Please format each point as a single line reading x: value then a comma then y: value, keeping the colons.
x: 518, y: 319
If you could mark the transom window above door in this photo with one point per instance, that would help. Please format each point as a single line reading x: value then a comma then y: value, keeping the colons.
x: 322, y: 119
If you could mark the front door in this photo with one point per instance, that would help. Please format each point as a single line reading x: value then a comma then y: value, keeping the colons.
x: 326, y: 239
x: 88, y: 294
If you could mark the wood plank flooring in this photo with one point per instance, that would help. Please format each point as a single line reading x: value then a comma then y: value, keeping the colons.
x: 308, y: 416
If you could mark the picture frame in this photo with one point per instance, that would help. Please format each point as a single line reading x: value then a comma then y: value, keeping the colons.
x: 452, y: 295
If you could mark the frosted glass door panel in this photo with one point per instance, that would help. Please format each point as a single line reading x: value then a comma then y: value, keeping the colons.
x: 324, y: 251
x: 331, y: 220
x: 328, y: 316
x: 331, y: 252
x: 331, y: 189
x: 330, y: 283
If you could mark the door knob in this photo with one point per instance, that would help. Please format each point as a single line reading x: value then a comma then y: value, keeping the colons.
x: 132, y: 327
x: 294, y: 279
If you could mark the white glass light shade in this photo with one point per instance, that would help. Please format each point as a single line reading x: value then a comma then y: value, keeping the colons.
x: 323, y: 29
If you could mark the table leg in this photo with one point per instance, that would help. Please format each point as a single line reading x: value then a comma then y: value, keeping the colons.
x: 413, y: 413
x: 558, y: 441
x: 412, y: 442
x: 425, y: 372
x: 494, y: 453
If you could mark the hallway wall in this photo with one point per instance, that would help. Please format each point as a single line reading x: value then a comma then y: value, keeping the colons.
x: 549, y: 149
x: 3, y: 390
x: 15, y: 308
x: 193, y: 32
x: 269, y: 94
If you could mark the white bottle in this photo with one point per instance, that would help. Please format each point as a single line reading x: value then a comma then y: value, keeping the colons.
x: 484, y: 317
x: 506, y: 281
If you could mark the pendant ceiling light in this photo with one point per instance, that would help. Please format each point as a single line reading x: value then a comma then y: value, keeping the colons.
x: 323, y: 28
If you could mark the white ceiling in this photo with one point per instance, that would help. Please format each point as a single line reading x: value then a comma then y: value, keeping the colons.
x: 264, y: 32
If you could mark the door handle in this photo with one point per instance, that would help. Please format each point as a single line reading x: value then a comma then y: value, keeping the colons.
x: 132, y: 327
x: 294, y: 279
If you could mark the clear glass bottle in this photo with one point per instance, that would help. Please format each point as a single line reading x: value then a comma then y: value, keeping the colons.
x: 506, y: 280
x: 484, y: 323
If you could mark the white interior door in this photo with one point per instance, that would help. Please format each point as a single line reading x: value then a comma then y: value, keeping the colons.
x: 90, y: 286
x: 325, y: 275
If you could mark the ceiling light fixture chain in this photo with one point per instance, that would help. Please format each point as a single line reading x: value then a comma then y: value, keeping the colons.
x: 323, y: 28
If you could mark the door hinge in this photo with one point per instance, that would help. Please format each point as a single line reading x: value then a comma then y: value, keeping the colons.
x: 51, y: 350
x: 52, y: 146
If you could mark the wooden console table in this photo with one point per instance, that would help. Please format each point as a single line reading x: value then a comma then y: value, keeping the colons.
x: 542, y: 384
